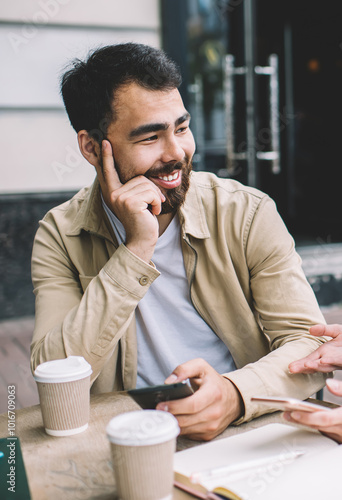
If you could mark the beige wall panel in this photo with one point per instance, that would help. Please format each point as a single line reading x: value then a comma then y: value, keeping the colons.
x: 127, y: 13
x: 41, y: 154
x: 32, y: 64
x: 41, y: 151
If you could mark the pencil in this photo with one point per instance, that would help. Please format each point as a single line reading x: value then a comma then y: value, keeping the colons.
x: 244, y: 468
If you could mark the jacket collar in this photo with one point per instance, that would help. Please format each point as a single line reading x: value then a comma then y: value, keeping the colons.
x: 92, y: 218
x: 192, y: 214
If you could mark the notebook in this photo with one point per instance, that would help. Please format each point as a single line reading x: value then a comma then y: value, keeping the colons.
x: 272, y: 462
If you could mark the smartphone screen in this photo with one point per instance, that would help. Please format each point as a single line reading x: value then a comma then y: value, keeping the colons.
x: 149, y: 397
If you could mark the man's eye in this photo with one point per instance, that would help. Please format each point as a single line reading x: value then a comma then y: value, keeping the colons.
x: 150, y: 139
x: 182, y: 129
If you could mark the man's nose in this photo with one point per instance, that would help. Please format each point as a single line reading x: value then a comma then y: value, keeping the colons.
x: 172, y: 151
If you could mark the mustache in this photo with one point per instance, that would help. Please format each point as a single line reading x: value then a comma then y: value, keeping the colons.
x: 166, y: 169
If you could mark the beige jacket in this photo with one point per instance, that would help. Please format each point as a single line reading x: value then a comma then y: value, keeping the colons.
x: 245, y: 280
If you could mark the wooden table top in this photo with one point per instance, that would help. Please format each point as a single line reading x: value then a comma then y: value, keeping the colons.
x: 79, y: 467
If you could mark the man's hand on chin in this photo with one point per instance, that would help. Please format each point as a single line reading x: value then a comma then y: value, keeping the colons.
x: 216, y: 404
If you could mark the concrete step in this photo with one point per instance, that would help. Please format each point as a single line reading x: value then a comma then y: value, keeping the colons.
x: 322, y: 264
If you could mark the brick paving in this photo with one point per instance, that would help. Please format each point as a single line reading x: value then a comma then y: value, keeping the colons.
x: 15, y: 338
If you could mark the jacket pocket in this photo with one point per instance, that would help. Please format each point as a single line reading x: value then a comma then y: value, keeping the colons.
x: 85, y: 280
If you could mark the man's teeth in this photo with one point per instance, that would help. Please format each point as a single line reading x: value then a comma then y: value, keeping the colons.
x: 168, y: 177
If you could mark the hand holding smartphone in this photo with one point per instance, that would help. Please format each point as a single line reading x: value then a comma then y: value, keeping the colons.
x: 149, y: 397
x: 288, y: 404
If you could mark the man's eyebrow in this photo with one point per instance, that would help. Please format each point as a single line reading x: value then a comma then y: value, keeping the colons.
x: 156, y: 127
x: 146, y: 129
x: 182, y: 119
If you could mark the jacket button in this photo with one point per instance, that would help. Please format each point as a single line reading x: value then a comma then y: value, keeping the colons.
x: 143, y: 280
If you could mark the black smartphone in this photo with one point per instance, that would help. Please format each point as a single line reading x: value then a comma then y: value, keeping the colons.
x: 149, y: 397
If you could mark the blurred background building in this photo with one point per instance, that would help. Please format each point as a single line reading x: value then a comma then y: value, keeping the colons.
x: 262, y: 81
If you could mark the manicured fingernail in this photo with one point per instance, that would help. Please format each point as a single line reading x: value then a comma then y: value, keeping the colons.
x: 292, y: 367
x: 295, y: 415
x: 171, y: 379
x: 333, y: 384
x: 162, y: 407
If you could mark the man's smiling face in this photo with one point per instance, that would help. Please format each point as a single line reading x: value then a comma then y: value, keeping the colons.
x: 150, y: 136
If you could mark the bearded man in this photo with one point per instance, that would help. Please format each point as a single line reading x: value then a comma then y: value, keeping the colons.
x: 156, y: 273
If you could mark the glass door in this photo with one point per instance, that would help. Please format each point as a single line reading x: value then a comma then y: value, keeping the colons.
x: 263, y: 83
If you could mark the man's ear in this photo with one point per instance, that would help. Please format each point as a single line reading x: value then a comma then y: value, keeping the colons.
x: 89, y: 147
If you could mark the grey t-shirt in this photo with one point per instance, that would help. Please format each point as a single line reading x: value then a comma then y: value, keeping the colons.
x: 169, y: 329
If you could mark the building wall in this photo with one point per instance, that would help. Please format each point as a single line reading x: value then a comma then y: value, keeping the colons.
x: 41, y: 165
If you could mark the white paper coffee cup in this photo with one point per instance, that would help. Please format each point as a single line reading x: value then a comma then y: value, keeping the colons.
x: 143, y: 444
x: 64, y: 394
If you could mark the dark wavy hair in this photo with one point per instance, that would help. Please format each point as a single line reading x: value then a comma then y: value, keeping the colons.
x: 88, y: 88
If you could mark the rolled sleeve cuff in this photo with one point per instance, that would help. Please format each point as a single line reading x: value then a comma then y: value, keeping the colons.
x: 130, y: 272
x: 248, y: 384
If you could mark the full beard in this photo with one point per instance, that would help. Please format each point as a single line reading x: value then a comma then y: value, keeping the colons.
x: 174, y: 197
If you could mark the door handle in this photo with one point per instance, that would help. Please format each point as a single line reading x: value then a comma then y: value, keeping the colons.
x: 230, y: 71
x: 274, y: 154
x: 196, y: 89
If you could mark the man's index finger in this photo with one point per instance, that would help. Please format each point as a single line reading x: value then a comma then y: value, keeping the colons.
x: 110, y: 174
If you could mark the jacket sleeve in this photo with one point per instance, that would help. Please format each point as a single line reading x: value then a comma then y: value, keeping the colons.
x: 72, y: 322
x: 285, y: 307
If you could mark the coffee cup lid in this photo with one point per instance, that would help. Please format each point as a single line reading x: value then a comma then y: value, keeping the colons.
x: 142, y: 427
x: 63, y: 370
